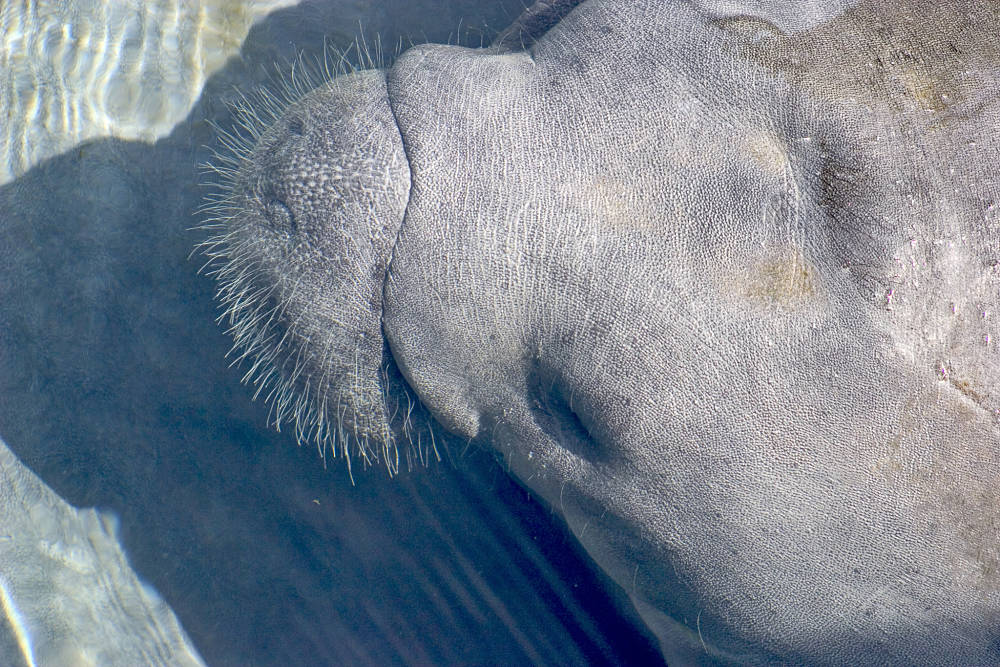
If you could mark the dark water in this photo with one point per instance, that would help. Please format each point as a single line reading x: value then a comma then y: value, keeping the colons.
x: 115, y: 390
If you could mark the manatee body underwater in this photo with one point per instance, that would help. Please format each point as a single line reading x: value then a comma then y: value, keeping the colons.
x: 717, y: 280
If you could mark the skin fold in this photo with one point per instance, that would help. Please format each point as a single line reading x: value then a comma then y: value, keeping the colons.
x: 718, y: 282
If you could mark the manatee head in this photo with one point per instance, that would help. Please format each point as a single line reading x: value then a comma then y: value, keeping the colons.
x: 313, y: 196
x: 719, y: 290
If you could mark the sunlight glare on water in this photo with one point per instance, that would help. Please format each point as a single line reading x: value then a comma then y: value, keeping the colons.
x: 131, y: 69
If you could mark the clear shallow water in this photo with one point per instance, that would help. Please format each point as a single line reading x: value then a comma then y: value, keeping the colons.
x: 131, y: 69
x: 115, y: 390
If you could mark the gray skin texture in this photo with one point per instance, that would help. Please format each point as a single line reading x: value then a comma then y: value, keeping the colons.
x: 717, y: 281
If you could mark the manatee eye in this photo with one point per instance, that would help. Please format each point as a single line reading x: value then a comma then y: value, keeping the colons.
x: 279, y: 215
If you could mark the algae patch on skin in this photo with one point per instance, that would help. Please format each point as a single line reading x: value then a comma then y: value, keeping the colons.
x: 780, y: 278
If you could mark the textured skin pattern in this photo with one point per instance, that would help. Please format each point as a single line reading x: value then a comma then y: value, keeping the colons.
x: 720, y: 285
x: 304, y: 288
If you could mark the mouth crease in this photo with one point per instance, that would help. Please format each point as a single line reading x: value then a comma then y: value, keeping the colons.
x: 406, y: 208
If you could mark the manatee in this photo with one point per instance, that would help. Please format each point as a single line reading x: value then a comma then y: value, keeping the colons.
x: 717, y: 280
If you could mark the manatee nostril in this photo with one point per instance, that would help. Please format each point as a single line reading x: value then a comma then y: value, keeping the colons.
x: 279, y: 215
x: 296, y: 126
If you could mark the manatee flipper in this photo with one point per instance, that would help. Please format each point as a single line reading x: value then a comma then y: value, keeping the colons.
x: 533, y: 22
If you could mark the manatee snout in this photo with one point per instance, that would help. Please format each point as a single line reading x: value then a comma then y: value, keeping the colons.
x: 310, y: 210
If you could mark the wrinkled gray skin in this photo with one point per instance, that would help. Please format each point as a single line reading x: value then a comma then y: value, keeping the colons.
x: 718, y: 282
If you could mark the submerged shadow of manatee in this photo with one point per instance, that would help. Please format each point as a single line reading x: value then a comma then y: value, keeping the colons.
x: 115, y: 390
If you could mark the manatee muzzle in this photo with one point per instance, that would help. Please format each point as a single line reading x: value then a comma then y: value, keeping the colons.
x: 311, y: 213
